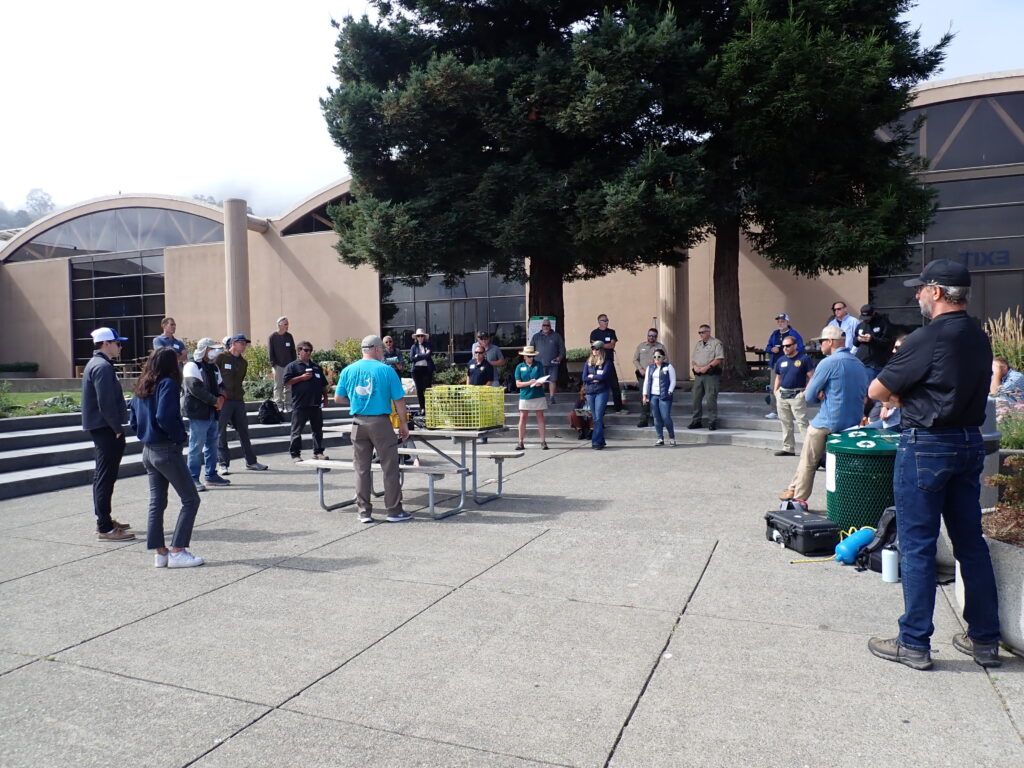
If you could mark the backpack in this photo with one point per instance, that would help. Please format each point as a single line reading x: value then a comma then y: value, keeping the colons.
x: 269, y: 413
x: 885, y: 535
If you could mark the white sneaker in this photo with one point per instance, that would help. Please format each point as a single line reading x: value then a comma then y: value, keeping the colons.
x: 672, y: 442
x: 183, y: 559
x: 160, y: 561
x: 659, y: 441
x: 772, y: 415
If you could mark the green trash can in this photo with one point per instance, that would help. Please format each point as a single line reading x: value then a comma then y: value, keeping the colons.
x: 858, y: 476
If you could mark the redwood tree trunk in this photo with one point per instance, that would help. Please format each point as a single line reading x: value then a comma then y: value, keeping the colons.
x: 546, y: 298
x: 728, y: 326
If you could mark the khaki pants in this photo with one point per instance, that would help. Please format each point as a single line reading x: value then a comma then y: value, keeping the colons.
x: 705, y: 398
x: 369, y: 433
x: 793, y: 409
x: 810, y: 456
x: 282, y: 394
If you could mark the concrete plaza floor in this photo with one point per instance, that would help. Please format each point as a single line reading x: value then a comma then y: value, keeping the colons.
x: 619, y: 608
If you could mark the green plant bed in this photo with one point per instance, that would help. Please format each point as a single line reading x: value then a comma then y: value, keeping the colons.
x: 19, y: 367
x: 1010, y: 421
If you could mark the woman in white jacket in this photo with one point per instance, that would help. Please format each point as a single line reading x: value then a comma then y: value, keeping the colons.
x: 659, y: 384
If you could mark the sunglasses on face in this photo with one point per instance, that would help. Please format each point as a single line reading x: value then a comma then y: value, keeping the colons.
x: 305, y: 349
x: 652, y: 335
x: 704, y: 331
x: 788, y: 346
x: 836, y: 309
x: 659, y: 357
x: 603, y: 320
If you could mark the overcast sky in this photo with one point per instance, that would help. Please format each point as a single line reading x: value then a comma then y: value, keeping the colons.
x: 220, y: 97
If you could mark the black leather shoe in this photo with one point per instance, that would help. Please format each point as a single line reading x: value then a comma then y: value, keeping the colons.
x: 892, y: 650
x: 985, y: 654
x: 642, y: 423
x: 784, y: 453
x: 694, y: 425
x: 712, y: 426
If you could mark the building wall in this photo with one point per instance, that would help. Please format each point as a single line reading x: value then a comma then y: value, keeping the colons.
x: 36, y: 314
x: 298, y: 276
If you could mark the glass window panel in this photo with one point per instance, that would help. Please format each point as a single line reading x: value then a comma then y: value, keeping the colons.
x: 983, y: 140
x: 81, y: 269
x: 395, y: 291
x: 397, y: 315
x: 891, y: 292
x: 118, y: 286
x: 1001, y: 221
x: 510, y: 334
x: 1001, y: 292
x: 500, y: 287
x: 83, y: 350
x: 434, y: 289
x: 82, y: 328
x: 1001, y: 189
x: 82, y: 308
x: 507, y: 308
x: 153, y: 264
x: 982, y: 255
x: 476, y: 285
x: 81, y: 289
x: 940, y: 119
x: 154, y: 305
x: 126, y: 265
x: 152, y: 283
x: 126, y: 306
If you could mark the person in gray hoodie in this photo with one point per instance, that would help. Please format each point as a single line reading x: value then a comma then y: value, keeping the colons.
x: 104, y: 414
x: 550, y: 353
x: 200, y: 404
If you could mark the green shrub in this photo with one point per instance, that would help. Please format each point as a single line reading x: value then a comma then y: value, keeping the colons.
x: 258, y: 389
x: 23, y: 366
x: 1007, y: 335
x: 6, y: 403
x: 453, y: 374
x: 258, y: 357
x: 1010, y: 421
x: 57, y: 404
x: 577, y: 355
x: 347, y: 351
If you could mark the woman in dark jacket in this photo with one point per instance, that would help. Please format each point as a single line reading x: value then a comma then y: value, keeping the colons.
x: 156, y: 418
x: 595, y: 378
x: 421, y: 358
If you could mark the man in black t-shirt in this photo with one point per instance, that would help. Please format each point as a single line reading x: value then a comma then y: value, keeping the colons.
x: 940, y: 379
x: 308, y: 385
x: 607, y: 336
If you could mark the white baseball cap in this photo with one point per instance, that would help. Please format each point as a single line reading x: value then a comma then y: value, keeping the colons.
x: 106, y: 334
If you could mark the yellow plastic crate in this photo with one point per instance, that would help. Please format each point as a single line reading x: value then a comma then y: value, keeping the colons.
x: 465, y: 407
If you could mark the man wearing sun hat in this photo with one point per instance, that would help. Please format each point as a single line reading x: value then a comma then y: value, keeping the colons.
x: 840, y: 384
x: 104, y: 414
x: 940, y: 379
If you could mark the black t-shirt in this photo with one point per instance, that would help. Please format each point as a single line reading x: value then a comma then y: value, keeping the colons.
x: 942, y: 374
x: 306, y: 394
x: 607, y: 335
x: 480, y: 374
x: 282, y: 348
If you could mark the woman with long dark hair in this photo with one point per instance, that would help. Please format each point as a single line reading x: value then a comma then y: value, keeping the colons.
x: 156, y: 419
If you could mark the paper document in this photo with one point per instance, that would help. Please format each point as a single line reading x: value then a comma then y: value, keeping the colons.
x: 541, y: 380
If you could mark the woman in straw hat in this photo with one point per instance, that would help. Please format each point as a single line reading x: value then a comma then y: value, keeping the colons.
x: 531, y: 394
x: 421, y: 355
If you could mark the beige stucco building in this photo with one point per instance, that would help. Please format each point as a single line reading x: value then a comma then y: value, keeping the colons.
x: 128, y: 260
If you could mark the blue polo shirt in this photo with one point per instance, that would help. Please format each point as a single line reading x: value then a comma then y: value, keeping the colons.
x: 844, y: 380
x: 794, y: 371
x: 480, y: 374
x: 370, y: 386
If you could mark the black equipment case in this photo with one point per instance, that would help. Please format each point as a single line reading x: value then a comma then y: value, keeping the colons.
x: 807, y: 533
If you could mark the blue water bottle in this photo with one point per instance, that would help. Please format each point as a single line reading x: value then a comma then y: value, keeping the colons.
x: 847, y: 549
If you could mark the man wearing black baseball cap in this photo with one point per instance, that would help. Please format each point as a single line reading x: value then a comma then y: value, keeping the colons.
x: 940, y: 378
x: 232, y: 371
x: 872, y: 343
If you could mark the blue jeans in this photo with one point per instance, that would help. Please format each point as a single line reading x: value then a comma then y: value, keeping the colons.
x: 166, y: 466
x: 598, y: 402
x: 937, y: 474
x: 202, y: 444
x: 661, y: 409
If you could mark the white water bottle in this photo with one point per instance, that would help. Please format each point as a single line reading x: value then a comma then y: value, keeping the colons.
x: 890, y: 565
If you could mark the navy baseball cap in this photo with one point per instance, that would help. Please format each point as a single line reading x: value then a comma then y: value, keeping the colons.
x: 942, y: 272
x: 239, y: 337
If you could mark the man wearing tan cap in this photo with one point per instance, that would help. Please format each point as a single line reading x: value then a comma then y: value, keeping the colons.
x: 840, y: 384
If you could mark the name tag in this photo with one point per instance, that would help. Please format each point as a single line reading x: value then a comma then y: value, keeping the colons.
x: 287, y: 343
x: 607, y: 338
x: 317, y: 375
x: 784, y: 364
x: 309, y: 370
x: 228, y: 366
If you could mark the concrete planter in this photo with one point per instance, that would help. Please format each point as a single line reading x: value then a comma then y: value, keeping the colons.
x: 1008, y: 564
x: 17, y: 374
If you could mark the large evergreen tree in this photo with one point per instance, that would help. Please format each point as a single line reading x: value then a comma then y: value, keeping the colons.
x: 555, y: 141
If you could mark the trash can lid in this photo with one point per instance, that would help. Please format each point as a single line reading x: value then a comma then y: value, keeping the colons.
x: 863, y: 441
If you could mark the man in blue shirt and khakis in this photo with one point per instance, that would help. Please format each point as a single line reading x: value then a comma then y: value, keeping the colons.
x: 840, y: 383
x: 372, y: 389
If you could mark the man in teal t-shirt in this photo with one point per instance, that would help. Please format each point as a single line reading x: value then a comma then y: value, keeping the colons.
x: 371, y: 389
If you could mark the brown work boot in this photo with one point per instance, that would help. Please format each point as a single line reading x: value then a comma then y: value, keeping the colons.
x: 893, y: 650
x: 786, y: 495
x: 115, y: 534
x: 120, y: 526
x: 985, y: 654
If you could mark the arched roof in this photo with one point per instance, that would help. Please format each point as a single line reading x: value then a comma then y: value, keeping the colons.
x: 118, y: 202
x: 973, y: 86
x: 312, y: 203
